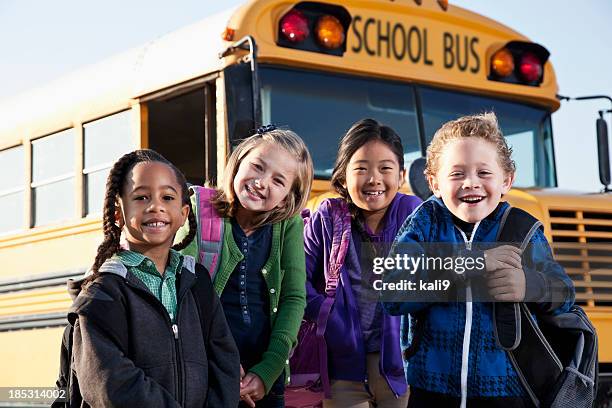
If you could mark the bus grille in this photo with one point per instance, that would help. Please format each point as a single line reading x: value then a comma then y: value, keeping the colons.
x: 582, y: 243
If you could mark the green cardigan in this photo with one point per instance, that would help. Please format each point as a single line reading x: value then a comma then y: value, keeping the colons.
x: 285, y: 276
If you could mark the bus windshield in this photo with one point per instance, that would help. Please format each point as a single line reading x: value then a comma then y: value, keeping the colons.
x: 528, y: 130
x: 321, y: 107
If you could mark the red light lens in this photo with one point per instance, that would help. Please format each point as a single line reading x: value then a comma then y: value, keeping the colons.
x: 530, y: 67
x: 294, y: 26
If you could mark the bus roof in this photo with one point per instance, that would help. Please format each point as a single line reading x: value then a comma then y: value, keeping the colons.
x: 441, y: 41
x: 112, y: 84
x: 191, y: 52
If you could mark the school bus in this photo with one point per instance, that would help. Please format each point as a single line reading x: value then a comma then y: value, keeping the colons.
x: 314, y: 66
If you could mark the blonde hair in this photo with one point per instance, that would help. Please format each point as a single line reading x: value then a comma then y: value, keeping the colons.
x: 483, y: 126
x: 226, y: 201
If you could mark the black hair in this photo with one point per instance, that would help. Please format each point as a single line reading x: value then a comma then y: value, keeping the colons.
x: 362, y: 132
x: 115, y: 184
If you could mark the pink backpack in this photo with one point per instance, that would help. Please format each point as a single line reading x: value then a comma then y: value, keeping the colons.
x: 210, y: 229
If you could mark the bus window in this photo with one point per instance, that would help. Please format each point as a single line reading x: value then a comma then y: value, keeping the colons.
x: 177, y: 131
x: 104, y: 141
x: 527, y: 129
x: 321, y: 108
x: 53, y: 178
x: 12, y: 168
x: 523, y: 149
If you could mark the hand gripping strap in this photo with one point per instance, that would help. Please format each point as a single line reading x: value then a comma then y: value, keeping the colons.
x: 516, y: 331
x: 517, y: 227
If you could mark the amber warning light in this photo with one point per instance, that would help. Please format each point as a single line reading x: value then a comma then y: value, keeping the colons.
x: 316, y: 27
x: 330, y: 32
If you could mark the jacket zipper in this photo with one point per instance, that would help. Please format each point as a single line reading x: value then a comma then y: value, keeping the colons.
x: 179, y: 365
x: 179, y: 358
x: 467, y: 332
x: 175, y: 334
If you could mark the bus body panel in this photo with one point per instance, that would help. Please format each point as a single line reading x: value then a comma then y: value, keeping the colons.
x: 425, y: 46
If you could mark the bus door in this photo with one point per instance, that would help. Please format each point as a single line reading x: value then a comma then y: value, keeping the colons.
x: 180, y: 124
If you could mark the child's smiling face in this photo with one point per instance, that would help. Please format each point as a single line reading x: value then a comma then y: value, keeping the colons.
x: 470, y: 179
x: 373, y: 177
x: 264, y: 178
x: 151, y: 206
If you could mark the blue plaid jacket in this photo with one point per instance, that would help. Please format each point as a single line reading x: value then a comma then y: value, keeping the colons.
x: 436, y: 366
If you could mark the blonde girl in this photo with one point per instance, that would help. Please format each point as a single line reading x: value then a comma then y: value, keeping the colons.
x: 259, y: 273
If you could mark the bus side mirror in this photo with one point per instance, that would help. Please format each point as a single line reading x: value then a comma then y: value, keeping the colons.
x: 603, y: 152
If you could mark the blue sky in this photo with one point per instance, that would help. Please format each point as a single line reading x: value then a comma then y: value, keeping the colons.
x: 42, y: 40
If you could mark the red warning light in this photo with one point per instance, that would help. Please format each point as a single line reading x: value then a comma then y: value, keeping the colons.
x: 294, y: 26
x: 530, y: 67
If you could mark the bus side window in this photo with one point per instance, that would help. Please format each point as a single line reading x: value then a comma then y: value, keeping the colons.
x: 53, y: 178
x: 178, y: 130
x: 12, y: 182
x: 104, y: 141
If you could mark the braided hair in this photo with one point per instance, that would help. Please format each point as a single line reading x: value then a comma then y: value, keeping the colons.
x: 114, y: 185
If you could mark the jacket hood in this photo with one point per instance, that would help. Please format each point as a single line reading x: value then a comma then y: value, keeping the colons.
x: 116, y: 267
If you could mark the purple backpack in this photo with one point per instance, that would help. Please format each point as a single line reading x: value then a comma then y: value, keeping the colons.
x: 308, y: 363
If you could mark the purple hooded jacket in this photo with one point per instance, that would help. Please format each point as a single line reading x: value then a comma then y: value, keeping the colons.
x: 345, y: 344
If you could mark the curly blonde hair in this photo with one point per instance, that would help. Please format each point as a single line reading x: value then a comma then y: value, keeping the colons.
x: 484, y: 126
x: 226, y: 202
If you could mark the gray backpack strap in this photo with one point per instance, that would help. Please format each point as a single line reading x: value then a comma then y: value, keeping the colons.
x: 516, y: 228
x: 537, y: 350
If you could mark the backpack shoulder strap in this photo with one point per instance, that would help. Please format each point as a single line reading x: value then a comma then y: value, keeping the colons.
x: 516, y: 331
x: 341, y: 236
x: 203, y: 290
x: 516, y: 228
x: 305, y: 213
x: 210, y: 229
x: 63, y: 380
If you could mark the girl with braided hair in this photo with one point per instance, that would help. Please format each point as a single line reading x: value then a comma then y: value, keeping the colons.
x: 148, y: 327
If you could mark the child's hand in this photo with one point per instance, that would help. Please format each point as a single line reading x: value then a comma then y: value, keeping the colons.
x: 248, y: 400
x: 252, y: 387
x: 505, y: 256
x: 507, y: 285
x: 245, y: 397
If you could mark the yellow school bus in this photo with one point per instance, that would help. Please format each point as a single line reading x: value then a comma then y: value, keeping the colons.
x: 314, y: 66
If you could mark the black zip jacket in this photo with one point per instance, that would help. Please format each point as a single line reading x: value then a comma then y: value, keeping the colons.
x: 127, y: 352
